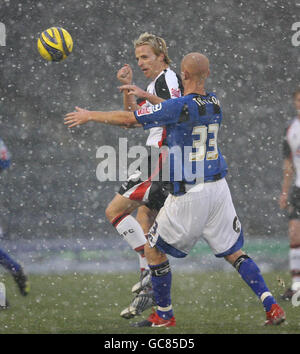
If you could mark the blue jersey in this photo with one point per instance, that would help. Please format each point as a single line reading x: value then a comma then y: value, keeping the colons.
x: 192, y: 124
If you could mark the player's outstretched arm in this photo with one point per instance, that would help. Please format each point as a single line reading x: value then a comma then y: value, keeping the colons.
x: 129, y: 102
x: 288, y: 174
x: 83, y: 116
x: 136, y: 91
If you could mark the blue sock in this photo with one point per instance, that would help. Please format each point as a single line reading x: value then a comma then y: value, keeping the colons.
x: 161, y: 283
x: 8, y: 263
x: 250, y: 273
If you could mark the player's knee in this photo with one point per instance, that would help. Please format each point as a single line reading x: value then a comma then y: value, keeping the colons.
x: 108, y: 213
x: 232, y: 258
x: 153, y: 255
x: 111, y: 212
x: 152, y: 214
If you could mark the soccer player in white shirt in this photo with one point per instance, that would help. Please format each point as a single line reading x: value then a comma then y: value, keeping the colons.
x: 145, y: 196
x: 291, y: 168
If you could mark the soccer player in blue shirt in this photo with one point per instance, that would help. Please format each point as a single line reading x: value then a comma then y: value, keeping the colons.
x: 199, y: 204
x: 5, y: 260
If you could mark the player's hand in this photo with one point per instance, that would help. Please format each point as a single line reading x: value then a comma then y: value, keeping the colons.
x: 124, y: 75
x: 134, y: 90
x: 283, y: 200
x: 81, y: 116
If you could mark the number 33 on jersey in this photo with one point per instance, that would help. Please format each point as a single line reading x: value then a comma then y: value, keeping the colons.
x: 191, y: 121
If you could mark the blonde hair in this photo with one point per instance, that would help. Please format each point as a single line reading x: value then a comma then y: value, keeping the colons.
x: 158, y: 45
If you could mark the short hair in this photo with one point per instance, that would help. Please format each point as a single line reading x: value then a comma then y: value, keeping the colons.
x: 158, y: 44
x: 296, y: 93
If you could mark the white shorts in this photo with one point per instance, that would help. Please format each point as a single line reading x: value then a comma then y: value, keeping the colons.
x: 204, y: 211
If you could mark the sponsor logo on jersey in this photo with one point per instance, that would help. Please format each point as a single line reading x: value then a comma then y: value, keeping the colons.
x: 175, y: 93
x: 144, y: 111
x: 149, y: 109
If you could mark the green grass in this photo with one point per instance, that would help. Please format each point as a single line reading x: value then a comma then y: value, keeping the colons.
x: 203, y: 303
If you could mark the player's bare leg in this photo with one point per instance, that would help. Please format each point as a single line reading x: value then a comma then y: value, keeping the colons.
x: 154, y: 256
x: 145, y: 217
x: 120, y: 204
x: 250, y: 273
x: 294, y: 255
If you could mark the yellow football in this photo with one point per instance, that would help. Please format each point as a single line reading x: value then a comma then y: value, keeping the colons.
x: 55, y: 44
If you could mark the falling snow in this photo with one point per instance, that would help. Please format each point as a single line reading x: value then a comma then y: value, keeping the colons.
x: 51, y: 193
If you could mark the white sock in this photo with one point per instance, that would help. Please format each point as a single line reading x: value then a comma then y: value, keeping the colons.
x: 132, y: 232
x: 295, y: 266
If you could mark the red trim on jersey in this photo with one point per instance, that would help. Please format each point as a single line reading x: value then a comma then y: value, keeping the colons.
x: 140, y: 191
x: 161, y: 160
x: 163, y: 137
x: 142, y: 103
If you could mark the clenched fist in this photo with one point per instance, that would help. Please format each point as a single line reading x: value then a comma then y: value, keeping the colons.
x: 125, y: 74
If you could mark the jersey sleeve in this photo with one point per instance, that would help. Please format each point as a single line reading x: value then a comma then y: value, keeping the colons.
x: 159, y: 115
x: 286, y: 150
x: 168, y: 86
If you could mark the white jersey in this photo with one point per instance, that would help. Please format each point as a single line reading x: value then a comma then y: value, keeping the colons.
x: 166, y: 85
x: 292, y: 147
